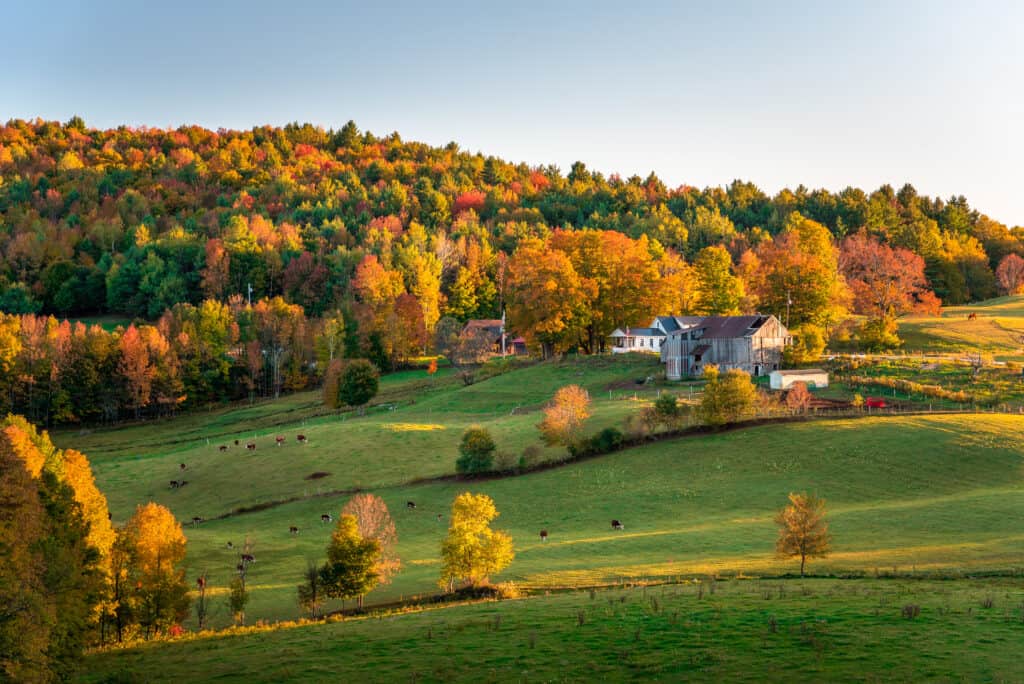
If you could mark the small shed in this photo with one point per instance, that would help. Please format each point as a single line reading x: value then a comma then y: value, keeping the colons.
x: 784, y: 379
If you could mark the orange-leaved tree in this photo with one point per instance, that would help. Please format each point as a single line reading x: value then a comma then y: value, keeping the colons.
x: 565, y: 415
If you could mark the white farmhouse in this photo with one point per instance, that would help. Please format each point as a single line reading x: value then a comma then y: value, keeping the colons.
x: 784, y: 379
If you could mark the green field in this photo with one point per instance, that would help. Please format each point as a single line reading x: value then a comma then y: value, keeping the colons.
x: 780, y: 630
x: 914, y: 501
x: 998, y: 330
x: 940, y: 493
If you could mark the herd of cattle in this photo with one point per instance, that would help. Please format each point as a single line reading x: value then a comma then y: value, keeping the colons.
x: 324, y: 518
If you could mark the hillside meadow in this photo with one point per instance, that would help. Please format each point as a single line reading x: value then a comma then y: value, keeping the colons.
x: 908, y: 494
x: 780, y: 630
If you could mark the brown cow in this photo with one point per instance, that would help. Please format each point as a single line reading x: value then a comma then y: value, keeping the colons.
x: 302, y: 439
x: 181, y: 466
x: 279, y: 439
x: 251, y: 446
x: 223, y: 447
x: 543, y: 535
x: 236, y: 442
x: 972, y: 316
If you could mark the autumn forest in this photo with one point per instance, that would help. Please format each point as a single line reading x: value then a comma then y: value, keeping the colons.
x: 243, y: 262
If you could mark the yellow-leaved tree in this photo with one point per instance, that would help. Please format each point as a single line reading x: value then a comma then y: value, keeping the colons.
x: 472, y: 551
x: 149, y: 573
x: 803, y: 530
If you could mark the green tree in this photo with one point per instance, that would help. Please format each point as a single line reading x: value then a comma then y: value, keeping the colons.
x: 472, y: 551
x: 803, y: 530
x: 358, y: 383
x: 727, y: 398
x: 352, y: 561
x: 476, y: 451
x: 719, y: 292
x: 311, y: 591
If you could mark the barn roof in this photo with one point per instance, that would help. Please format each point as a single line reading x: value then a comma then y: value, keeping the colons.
x: 800, y: 371
x: 721, y: 327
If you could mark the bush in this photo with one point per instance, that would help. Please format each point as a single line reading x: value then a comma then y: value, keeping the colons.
x: 878, y: 334
x: 476, y: 451
x: 604, y: 442
x: 531, y: 457
x: 358, y: 383
x: 506, y: 462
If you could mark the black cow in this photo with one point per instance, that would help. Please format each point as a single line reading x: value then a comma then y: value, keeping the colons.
x: 326, y: 518
x: 293, y: 530
x: 616, y: 525
x: 410, y: 505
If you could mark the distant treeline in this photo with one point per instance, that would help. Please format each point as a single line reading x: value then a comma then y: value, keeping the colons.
x: 392, y: 244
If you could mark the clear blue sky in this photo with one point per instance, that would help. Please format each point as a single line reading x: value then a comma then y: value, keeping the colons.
x: 701, y: 93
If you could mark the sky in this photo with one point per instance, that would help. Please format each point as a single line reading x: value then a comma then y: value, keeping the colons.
x: 778, y: 93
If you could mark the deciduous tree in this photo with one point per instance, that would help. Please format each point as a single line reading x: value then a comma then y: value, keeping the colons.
x: 472, y: 551
x: 352, y: 562
x: 803, y: 530
x: 565, y: 415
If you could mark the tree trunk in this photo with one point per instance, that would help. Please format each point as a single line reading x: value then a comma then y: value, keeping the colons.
x: 803, y: 559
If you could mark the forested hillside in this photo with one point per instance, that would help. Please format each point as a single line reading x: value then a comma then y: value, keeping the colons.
x: 357, y: 245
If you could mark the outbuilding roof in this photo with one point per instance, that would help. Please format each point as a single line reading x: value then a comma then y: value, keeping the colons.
x: 800, y: 371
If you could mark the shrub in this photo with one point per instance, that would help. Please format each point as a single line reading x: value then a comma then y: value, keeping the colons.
x: 798, y: 398
x: 911, y: 611
x: 604, y: 442
x: 476, y: 451
x: 506, y: 462
x: 358, y: 383
x: 531, y: 457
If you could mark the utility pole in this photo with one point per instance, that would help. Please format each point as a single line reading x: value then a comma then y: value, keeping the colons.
x: 250, y: 300
x: 789, y: 302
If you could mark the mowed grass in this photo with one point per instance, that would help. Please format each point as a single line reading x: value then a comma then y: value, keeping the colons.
x: 906, y: 495
x: 793, y: 630
x: 997, y: 330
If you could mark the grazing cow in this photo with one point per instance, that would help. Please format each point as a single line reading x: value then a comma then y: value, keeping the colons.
x: 543, y: 535
x: 972, y: 317
x: 279, y: 439
x: 230, y: 545
x: 439, y: 518
x: 181, y: 465
x: 326, y: 518
x: 302, y: 439
x: 196, y: 520
x: 175, y: 484
x: 240, y: 567
x: 410, y: 505
x: 223, y: 447
x: 248, y: 558
x: 251, y: 446
x: 616, y: 525
x: 293, y: 530
x: 236, y: 442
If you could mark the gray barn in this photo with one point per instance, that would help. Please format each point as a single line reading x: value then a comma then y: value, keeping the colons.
x: 751, y: 343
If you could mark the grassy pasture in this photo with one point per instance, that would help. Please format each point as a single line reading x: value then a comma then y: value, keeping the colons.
x: 381, y: 449
x: 781, y: 630
x: 909, y: 494
x: 998, y: 329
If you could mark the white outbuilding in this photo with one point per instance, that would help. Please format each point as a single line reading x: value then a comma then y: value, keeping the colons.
x: 784, y: 379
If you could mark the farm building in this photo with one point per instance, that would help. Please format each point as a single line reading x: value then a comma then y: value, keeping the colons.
x: 493, y: 329
x: 637, y: 340
x: 751, y: 343
x: 784, y: 379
